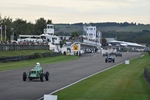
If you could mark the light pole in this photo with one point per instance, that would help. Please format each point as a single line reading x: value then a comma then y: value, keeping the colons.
x: 12, y: 36
x: 5, y: 31
x: 1, y: 31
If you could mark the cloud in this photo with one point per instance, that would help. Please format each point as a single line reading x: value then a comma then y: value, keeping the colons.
x: 77, y: 10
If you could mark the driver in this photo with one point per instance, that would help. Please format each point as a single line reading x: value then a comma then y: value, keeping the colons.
x: 37, y: 67
x: 37, y: 64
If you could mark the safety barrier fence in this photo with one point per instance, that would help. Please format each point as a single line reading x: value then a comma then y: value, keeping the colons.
x: 29, y: 57
x: 13, y: 47
x: 147, y: 74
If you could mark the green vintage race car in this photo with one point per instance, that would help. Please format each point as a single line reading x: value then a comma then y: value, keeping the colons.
x: 36, y: 73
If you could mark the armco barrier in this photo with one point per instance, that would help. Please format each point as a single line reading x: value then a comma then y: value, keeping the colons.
x: 14, y: 47
x: 29, y: 57
x: 147, y: 75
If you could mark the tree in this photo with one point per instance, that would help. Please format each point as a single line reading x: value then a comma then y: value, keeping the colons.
x: 74, y: 34
x: 39, y: 26
x: 7, y: 24
x: 104, y: 41
x: 19, y: 28
x: 49, y: 21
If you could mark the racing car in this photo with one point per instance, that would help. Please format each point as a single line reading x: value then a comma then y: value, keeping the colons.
x: 105, y: 54
x: 36, y: 73
x: 118, y: 54
x: 109, y: 59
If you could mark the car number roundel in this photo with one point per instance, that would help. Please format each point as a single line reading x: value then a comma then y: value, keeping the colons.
x: 75, y: 47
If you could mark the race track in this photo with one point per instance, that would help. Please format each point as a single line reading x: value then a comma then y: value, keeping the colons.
x: 12, y: 87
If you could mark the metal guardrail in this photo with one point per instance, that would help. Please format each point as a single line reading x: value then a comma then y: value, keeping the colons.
x: 147, y: 75
x: 29, y: 57
x: 15, y: 47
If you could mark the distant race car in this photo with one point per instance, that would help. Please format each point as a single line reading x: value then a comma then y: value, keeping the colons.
x: 112, y: 53
x: 109, y: 59
x: 105, y: 54
x: 118, y: 54
x: 36, y: 73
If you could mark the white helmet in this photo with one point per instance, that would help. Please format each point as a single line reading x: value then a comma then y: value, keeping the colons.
x: 38, y: 64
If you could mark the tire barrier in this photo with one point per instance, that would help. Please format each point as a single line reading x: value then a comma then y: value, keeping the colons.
x: 147, y: 75
x: 29, y: 57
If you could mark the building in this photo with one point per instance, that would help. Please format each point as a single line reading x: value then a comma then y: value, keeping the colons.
x: 91, y: 35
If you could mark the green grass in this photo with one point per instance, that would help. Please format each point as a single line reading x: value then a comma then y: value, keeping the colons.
x: 20, y: 52
x: 123, y: 82
x: 31, y: 63
x: 148, y: 67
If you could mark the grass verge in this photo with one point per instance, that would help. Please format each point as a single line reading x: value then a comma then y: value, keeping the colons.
x: 20, y: 52
x: 29, y: 63
x: 123, y: 82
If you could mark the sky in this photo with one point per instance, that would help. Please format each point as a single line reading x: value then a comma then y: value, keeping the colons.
x: 76, y: 11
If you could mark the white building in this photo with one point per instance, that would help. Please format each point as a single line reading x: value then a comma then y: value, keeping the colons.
x: 90, y: 32
x: 49, y: 29
x: 49, y: 36
x: 91, y: 35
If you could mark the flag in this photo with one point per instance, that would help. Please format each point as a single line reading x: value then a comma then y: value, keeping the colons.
x: 85, y: 28
x: 98, y: 34
x: 1, y: 32
x: 5, y: 31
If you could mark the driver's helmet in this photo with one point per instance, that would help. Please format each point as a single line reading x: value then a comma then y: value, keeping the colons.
x: 37, y: 64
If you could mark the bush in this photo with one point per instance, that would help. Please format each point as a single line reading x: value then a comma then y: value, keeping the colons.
x: 38, y: 55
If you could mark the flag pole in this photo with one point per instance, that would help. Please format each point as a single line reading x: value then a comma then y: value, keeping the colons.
x: 1, y: 33
x: 5, y: 32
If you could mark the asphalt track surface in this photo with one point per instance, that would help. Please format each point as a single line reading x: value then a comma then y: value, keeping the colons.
x: 12, y: 87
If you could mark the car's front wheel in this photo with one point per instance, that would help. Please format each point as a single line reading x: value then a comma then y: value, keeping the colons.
x: 24, y: 76
x: 113, y: 60
x: 105, y: 60
x: 41, y: 77
x: 47, y: 76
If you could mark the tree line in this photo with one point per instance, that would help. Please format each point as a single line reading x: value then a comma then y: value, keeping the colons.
x: 105, y: 24
x: 22, y: 27
x: 137, y: 37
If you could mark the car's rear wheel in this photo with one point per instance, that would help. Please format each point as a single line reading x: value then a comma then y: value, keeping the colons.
x: 30, y: 79
x: 47, y: 76
x: 24, y: 76
x: 105, y: 60
x: 113, y: 60
x: 41, y: 77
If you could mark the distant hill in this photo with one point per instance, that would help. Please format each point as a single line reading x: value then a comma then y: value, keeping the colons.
x: 121, y: 31
x: 104, y: 27
x: 135, y: 28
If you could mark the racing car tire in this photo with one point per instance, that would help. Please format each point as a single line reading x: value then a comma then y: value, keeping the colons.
x: 113, y: 60
x: 105, y: 60
x: 24, y: 76
x: 41, y: 77
x: 47, y: 76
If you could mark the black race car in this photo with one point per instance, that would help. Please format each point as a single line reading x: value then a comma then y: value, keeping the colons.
x: 118, y: 54
x: 112, y: 53
x: 105, y: 54
x: 109, y: 59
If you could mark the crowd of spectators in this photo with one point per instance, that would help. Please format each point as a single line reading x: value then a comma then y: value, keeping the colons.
x: 23, y: 43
